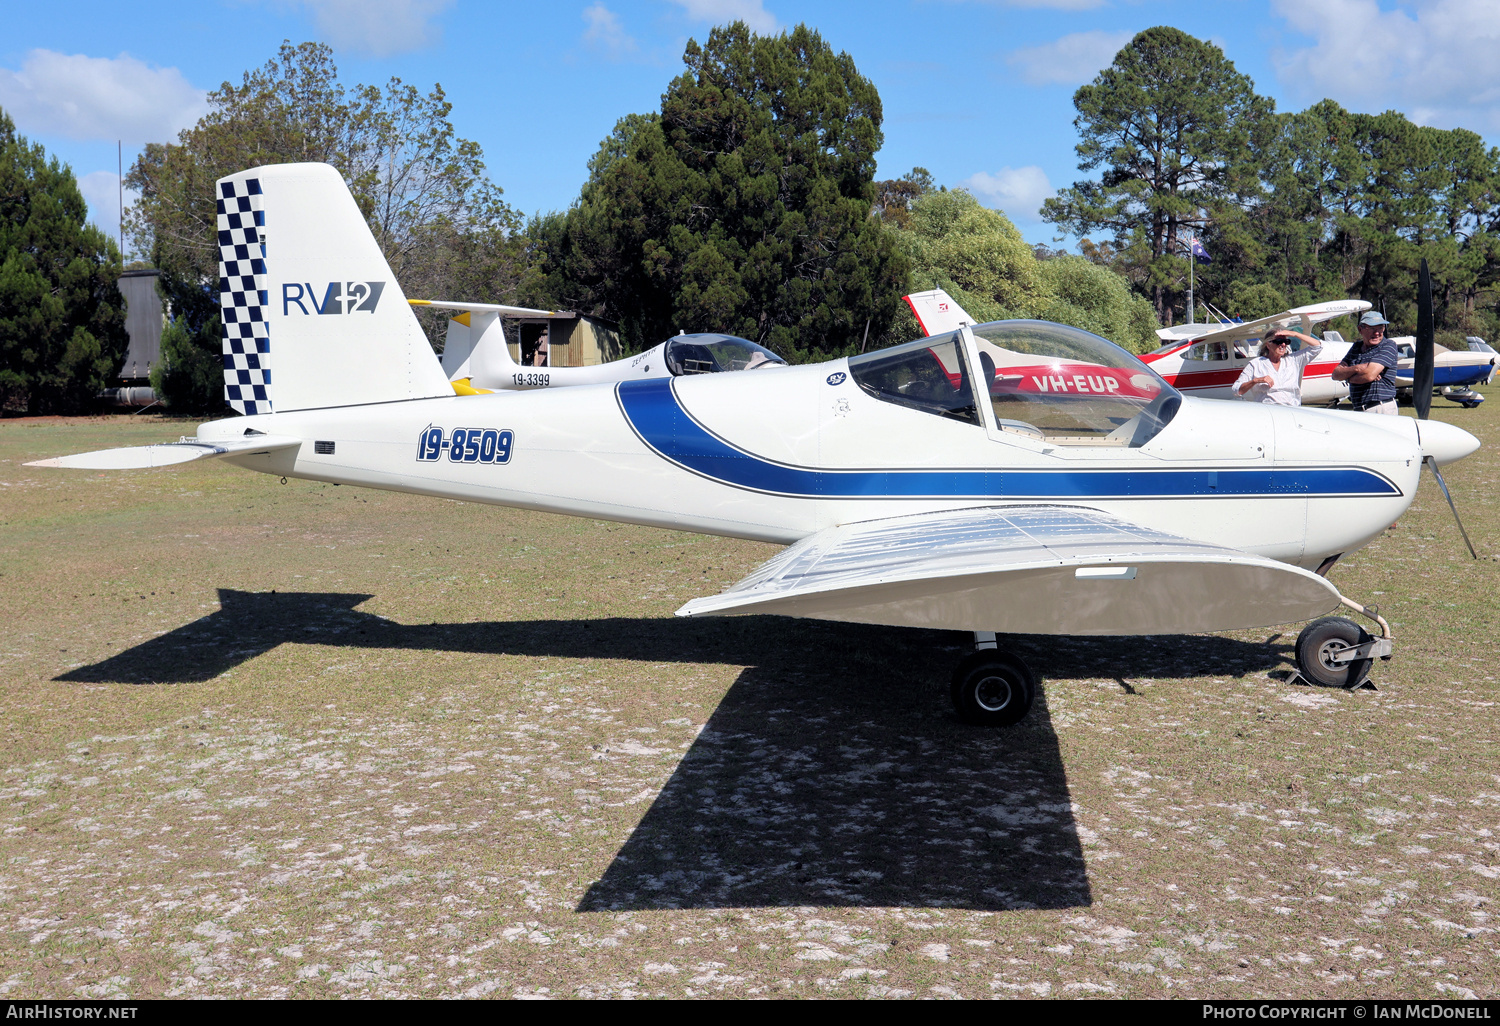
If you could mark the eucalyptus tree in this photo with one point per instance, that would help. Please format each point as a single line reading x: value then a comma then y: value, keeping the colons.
x: 439, y: 220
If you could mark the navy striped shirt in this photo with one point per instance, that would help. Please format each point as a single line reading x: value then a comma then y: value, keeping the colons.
x: 1383, y: 388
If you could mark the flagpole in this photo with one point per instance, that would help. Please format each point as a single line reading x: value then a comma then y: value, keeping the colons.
x: 1192, y: 262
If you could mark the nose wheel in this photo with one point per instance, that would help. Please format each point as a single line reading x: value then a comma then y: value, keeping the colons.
x: 1337, y: 652
x: 991, y: 688
x: 1329, y: 652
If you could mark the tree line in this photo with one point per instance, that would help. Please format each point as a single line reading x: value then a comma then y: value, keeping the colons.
x: 1293, y: 207
x: 747, y: 203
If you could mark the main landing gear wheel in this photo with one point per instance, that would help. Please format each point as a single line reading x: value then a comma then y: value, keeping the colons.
x: 992, y: 689
x: 1318, y: 648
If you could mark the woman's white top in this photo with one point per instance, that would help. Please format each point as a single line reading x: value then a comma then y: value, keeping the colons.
x: 1288, y: 377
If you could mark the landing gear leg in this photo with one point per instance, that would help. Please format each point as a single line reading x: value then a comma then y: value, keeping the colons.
x: 991, y: 688
x: 1335, y: 651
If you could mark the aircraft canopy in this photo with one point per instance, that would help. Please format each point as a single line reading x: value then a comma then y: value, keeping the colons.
x: 1049, y: 381
x: 710, y: 353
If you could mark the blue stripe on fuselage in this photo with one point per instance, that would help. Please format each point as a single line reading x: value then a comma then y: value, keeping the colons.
x: 652, y: 409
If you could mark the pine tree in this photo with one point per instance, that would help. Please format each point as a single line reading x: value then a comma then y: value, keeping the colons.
x: 1175, y: 128
x: 62, y: 321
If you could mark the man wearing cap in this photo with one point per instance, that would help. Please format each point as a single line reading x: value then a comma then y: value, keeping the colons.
x: 1275, y: 376
x: 1370, y: 367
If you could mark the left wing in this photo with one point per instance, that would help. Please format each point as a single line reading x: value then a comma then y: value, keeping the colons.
x: 1024, y: 570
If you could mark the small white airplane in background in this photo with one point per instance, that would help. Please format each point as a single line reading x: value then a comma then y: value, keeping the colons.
x: 1108, y: 504
x: 1455, y: 372
x: 477, y: 359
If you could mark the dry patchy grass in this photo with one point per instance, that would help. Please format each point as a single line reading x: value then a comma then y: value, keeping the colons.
x: 266, y: 740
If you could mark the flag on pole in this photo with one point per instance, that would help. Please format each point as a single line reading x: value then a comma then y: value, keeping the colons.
x: 1200, y: 253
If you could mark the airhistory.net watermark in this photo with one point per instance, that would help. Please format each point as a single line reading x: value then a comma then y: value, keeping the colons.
x: 46, y: 1010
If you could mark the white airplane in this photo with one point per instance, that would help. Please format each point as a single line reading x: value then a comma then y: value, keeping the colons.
x: 904, y: 497
x: 1453, y: 371
x: 477, y: 359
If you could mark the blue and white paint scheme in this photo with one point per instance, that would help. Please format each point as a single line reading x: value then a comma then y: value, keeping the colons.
x: 1017, y: 476
x: 1454, y: 371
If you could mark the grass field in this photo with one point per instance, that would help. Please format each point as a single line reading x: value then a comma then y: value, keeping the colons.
x: 271, y: 740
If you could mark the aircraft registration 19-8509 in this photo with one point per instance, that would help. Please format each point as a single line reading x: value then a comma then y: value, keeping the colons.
x: 949, y: 482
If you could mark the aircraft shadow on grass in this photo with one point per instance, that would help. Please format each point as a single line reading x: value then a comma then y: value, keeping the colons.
x: 832, y: 773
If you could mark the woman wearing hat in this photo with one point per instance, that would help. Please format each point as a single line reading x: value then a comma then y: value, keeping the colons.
x: 1275, y: 376
x: 1370, y: 367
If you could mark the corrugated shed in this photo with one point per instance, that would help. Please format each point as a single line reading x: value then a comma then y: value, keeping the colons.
x: 143, y: 322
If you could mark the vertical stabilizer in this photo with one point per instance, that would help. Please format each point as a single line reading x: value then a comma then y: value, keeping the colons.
x: 457, y: 346
x: 477, y: 341
x: 490, y: 362
x: 937, y: 312
x: 304, y: 286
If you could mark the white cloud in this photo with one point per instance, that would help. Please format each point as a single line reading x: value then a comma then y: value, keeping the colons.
x: 1072, y: 60
x: 101, y: 191
x: 1019, y: 191
x: 606, y: 33
x: 1433, y: 61
x: 722, y: 12
x: 99, y: 98
x: 378, y: 27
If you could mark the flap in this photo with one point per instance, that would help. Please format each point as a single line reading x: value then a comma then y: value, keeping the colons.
x: 140, y: 457
x: 1024, y: 570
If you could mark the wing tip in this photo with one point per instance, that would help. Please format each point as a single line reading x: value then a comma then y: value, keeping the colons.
x: 55, y: 461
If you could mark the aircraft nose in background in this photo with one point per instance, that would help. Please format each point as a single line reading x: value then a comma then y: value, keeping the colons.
x: 1444, y: 442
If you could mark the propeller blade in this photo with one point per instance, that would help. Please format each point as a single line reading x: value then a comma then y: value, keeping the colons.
x: 1432, y: 466
x: 1422, y: 371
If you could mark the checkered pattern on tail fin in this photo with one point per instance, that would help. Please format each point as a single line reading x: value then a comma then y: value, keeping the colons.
x: 243, y: 297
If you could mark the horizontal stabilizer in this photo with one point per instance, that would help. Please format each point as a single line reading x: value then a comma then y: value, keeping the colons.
x: 142, y: 457
x: 503, y: 311
x: 1024, y: 570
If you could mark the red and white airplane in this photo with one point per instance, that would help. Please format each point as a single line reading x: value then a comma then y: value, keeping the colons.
x: 1201, y: 360
x: 1206, y: 359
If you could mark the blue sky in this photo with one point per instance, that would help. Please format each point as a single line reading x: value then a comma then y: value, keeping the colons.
x: 977, y: 91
